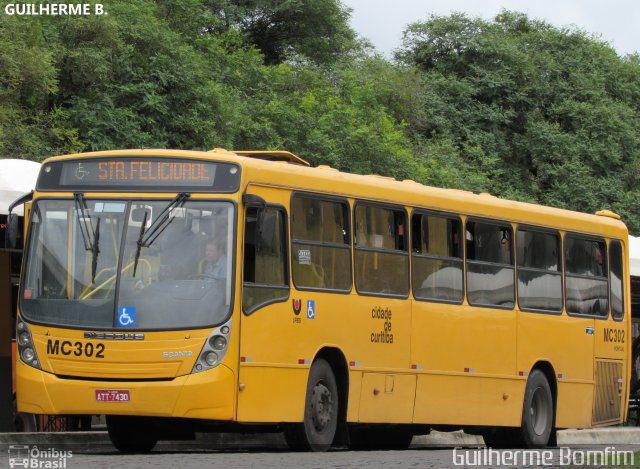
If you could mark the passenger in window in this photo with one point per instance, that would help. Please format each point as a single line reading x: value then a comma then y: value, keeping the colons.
x: 215, y: 261
x: 600, y: 264
x: 455, y: 246
x: 505, y: 241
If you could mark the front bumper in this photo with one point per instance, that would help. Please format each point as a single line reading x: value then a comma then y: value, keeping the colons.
x: 206, y: 395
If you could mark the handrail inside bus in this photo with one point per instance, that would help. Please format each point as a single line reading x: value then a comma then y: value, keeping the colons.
x: 88, y: 295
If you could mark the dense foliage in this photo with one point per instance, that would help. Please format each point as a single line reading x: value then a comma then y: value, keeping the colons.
x: 511, y: 106
x: 545, y: 114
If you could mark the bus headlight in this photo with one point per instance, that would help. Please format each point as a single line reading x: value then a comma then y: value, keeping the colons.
x: 26, y: 350
x: 24, y: 339
x: 211, y: 358
x: 28, y: 354
x: 214, y: 349
x: 218, y: 342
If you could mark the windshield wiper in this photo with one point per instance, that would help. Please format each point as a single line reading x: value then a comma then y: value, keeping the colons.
x: 164, y: 219
x: 87, y: 232
x: 81, y: 212
x: 95, y: 251
x: 139, y: 242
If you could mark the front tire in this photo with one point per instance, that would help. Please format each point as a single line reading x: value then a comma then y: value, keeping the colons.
x: 131, y: 434
x: 318, y: 429
x: 22, y: 421
x: 537, y: 412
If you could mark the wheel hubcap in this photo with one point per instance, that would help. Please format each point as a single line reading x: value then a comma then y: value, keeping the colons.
x: 539, y: 411
x: 321, y: 406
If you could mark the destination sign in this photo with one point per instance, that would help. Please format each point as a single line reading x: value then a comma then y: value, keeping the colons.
x: 133, y: 174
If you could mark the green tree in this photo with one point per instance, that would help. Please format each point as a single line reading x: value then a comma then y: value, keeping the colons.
x: 317, y: 30
x: 550, y: 111
x: 187, y: 74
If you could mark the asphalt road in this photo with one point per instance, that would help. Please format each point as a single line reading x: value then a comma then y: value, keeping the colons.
x: 102, y: 456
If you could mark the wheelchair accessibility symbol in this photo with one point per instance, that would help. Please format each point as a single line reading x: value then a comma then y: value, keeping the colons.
x: 81, y: 172
x: 126, y: 316
x: 311, y: 309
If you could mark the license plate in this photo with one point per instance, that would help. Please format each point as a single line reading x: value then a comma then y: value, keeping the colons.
x: 113, y: 395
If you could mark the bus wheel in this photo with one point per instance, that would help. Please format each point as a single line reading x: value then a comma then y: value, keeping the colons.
x: 22, y: 421
x: 537, y: 412
x: 130, y: 434
x: 320, y: 411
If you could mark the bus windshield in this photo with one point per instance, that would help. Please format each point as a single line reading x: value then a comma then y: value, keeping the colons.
x: 129, y: 264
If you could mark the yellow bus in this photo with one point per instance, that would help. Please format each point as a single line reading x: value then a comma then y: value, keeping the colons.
x: 182, y: 291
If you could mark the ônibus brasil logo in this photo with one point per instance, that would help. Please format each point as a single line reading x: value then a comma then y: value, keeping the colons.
x: 31, y: 456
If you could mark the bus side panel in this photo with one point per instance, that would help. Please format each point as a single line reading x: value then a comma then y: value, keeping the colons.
x: 574, y: 405
x: 379, y: 341
x: 271, y: 393
x: 566, y: 343
x: 612, y: 342
x: 353, y: 404
x: 279, y: 344
x: 383, y: 391
x: 468, y: 355
x: 450, y: 399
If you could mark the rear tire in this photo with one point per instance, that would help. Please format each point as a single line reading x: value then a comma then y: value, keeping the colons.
x: 318, y: 429
x: 537, y: 428
x: 537, y: 412
x: 131, y: 434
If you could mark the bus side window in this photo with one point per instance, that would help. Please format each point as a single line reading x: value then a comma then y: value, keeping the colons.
x: 381, y: 253
x: 539, y: 272
x: 616, y: 284
x: 490, y: 269
x: 321, y: 250
x: 437, y: 266
x: 586, y: 276
x: 266, y: 278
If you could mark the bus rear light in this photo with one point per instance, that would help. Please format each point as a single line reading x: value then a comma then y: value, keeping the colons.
x: 214, y: 349
x: 25, y: 345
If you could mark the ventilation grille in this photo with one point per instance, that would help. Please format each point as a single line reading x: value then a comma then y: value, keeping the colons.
x: 608, y: 391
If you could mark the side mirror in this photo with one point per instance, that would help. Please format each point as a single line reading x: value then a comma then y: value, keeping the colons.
x: 257, y: 202
x: 11, y: 233
x: 13, y: 222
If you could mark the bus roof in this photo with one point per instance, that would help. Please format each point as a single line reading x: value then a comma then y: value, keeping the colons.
x: 266, y: 168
